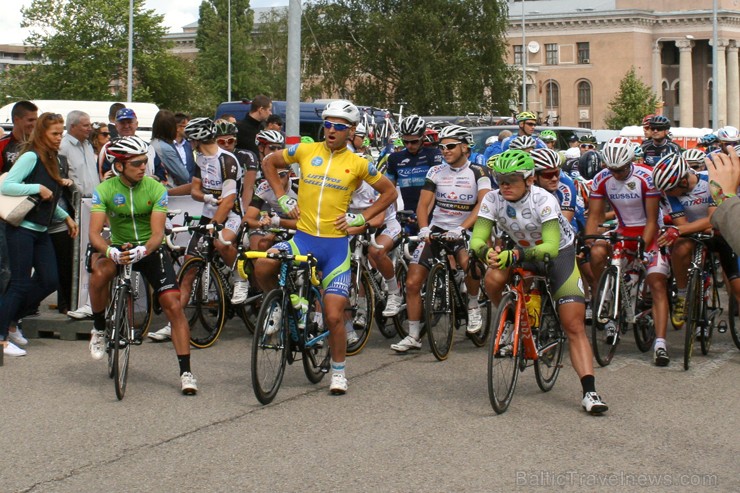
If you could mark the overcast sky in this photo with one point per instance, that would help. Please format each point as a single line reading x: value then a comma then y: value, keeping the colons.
x: 177, y: 13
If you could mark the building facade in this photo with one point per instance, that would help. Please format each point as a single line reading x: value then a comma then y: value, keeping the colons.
x: 576, y: 53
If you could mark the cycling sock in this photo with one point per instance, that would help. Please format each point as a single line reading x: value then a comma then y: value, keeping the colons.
x: 414, y: 329
x: 392, y: 285
x: 682, y: 292
x: 99, y: 320
x: 338, y: 367
x: 659, y: 342
x: 588, y: 383
x: 472, y: 302
x: 184, y: 361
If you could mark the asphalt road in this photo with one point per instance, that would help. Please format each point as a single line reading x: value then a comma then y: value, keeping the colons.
x: 408, y: 423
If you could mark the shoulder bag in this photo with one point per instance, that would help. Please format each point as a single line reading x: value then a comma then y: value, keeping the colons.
x: 14, y: 208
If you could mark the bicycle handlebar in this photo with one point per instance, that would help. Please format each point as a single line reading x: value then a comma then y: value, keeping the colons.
x: 283, y: 256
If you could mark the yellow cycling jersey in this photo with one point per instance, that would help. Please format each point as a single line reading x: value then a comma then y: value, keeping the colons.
x: 327, y: 182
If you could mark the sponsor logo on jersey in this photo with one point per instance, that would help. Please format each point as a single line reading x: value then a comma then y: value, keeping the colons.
x: 631, y: 185
x: 292, y: 149
x: 371, y: 169
x: 95, y: 198
x: 484, y: 208
x: 317, y: 161
x: 510, y: 212
x: 546, y: 211
x: 119, y: 200
x: 164, y: 200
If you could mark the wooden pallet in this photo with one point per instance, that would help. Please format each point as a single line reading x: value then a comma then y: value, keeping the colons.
x: 58, y: 326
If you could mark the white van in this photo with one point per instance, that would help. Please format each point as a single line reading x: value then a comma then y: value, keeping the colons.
x: 98, y: 111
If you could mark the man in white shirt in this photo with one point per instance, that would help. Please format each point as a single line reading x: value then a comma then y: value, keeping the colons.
x: 76, y: 147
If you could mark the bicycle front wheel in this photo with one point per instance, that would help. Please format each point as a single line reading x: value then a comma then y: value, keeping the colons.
x: 550, y: 342
x: 360, y: 310
x: 711, y: 307
x: 606, y: 326
x: 206, y: 307
x: 439, y: 312
x: 316, y: 354
x: 486, y: 309
x: 693, y: 315
x: 400, y: 321
x: 123, y: 318
x: 644, y: 326
x: 503, y: 363
x: 269, y: 347
x: 143, y: 305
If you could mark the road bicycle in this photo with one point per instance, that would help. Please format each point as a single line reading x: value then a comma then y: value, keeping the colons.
x: 526, y: 332
x: 446, y: 299
x: 621, y: 301
x: 120, y: 333
x: 286, y: 332
x: 703, y: 305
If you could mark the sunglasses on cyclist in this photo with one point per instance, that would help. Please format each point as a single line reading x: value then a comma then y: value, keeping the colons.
x: 226, y: 141
x: 549, y: 175
x: 587, y: 146
x: 656, y: 129
x: 275, y: 147
x: 339, y: 127
x: 411, y: 141
x: 138, y: 162
x: 448, y: 147
x: 508, y: 178
x: 530, y: 124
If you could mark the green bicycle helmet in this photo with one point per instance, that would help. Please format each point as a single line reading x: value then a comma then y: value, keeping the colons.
x: 514, y: 161
x: 525, y: 115
x: 548, y: 136
x: 491, y: 163
x: 307, y: 140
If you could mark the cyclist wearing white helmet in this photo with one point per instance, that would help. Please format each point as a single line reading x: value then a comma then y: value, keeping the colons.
x: 527, y: 121
x: 226, y: 133
x: 691, y: 207
x: 523, y: 143
x: 329, y: 174
x: 695, y: 158
x: 135, y: 207
x: 629, y: 189
x: 549, y: 176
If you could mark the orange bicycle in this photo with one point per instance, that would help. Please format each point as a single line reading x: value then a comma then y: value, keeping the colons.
x: 526, y: 329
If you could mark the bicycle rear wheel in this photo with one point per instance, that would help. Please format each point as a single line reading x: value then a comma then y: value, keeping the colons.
x: 503, y: 363
x: 360, y: 310
x: 694, y: 302
x: 439, y: 312
x: 269, y: 347
x: 480, y: 337
x: 400, y: 321
x: 143, y: 304
x: 550, y: 343
x: 123, y: 323
x: 316, y: 356
x: 206, y: 307
x: 710, y: 308
x: 606, y: 327
x: 644, y: 327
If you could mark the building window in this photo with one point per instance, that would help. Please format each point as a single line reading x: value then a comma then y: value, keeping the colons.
x: 584, y: 93
x: 517, y: 54
x: 551, y: 54
x: 584, y: 53
x: 552, y: 94
x: 584, y: 124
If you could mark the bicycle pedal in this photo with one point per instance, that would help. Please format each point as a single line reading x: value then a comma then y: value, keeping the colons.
x: 722, y: 327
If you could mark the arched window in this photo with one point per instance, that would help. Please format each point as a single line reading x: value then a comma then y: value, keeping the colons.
x: 584, y: 93
x: 552, y: 94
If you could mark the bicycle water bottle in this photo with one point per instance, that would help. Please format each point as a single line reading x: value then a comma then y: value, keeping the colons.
x: 533, y: 301
x: 301, y: 305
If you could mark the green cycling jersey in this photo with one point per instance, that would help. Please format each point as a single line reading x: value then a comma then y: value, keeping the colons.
x: 129, y: 209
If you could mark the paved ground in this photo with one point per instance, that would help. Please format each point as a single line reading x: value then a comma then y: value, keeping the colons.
x: 408, y: 423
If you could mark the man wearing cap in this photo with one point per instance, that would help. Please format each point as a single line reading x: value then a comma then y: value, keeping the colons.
x: 527, y: 122
x: 126, y: 123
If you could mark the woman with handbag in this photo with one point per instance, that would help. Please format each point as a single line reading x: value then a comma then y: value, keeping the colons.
x: 33, y: 270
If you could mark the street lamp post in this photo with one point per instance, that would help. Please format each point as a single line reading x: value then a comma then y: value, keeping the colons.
x: 524, y: 62
x: 130, y: 75
x: 228, y: 56
x: 715, y: 72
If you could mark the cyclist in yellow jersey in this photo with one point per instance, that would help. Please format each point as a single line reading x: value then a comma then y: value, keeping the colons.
x: 330, y: 172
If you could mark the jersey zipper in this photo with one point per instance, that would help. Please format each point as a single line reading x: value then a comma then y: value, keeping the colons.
x: 133, y: 217
x: 321, y: 193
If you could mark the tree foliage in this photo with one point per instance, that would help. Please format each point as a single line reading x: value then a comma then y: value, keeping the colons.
x: 633, y: 101
x: 83, y: 49
x: 438, y: 56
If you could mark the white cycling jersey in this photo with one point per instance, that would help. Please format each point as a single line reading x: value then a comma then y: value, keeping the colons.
x: 220, y: 176
x: 627, y: 196
x: 455, y: 192
x: 264, y: 194
x: 522, y: 220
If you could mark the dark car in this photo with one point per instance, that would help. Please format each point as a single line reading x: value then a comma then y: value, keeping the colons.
x: 480, y: 134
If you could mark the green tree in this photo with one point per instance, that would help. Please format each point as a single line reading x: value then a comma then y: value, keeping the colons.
x: 270, y: 38
x: 83, y: 49
x: 633, y: 101
x: 438, y: 56
x: 247, y: 77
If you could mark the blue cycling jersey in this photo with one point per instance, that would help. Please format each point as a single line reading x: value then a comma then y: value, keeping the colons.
x: 507, y: 141
x: 409, y: 172
x: 570, y: 200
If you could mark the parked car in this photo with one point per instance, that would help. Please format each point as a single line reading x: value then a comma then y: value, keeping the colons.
x: 480, y: 134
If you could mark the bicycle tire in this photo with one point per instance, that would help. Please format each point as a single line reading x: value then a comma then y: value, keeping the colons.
x: 315, y: 358
x: 109, y: 331
x: 123, y: 322
x: 143, y: 306
x: 439, y: 312
x: 362, y: 330
x: 205, y: 311
x: 604, y: 345
x: 400, y: 320
x: 550, y: 336
x: 503, y: 366
x: 705, y: 340
x: 269, y: 350
x: 479, y: 338
x: 644, y: 327
x: 731, y: 322
x: 247, y: 317
x: 694, y: 301
x: 386, y: 326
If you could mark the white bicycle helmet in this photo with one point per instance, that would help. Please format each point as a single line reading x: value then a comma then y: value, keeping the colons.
x: 456, y: 132
x: 269, y: 137
x: 523, y: 142
x: 341, y: 108
x: 545, y: 159
x: 572, y: 153
x: 200, y: 129
x: 124, y: 148
x: 669, y: 171
x: 728, y: 134
x: 618, y: 152
x: 412, y: 125
x: 490, y: 140
x: 360, y: 130
x: 693, y: 156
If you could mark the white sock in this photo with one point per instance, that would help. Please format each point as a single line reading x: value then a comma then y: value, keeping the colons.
x: 659, y: 342
x: 338, y: 368
x: 415, y: 329
x: 472, y: 302
x: 392, y: 285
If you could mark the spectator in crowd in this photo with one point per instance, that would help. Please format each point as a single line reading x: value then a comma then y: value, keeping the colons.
x: 24, y: 115
x: 164, y: 161
x: 80, y: 153
x: 274, y: 122
x: 228, y: 117
x: 495, y: 147
x: 724, y: 175
x: 182, y: 144
x: 126, y: 125
x: 35, y: 172
x: 63, y: 243
x: 99, y: 136
x: 261, y: 109
x: 112, y: 112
